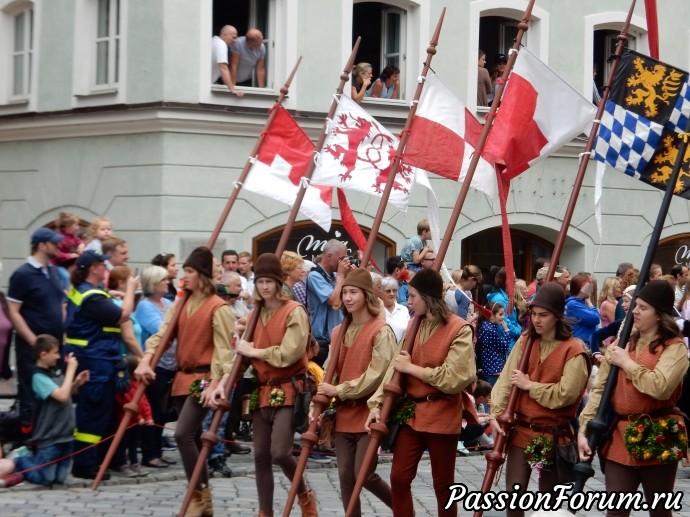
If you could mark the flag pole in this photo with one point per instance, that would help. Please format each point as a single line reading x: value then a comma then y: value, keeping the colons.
x: 376, y: 225
x: 131, y: 409
x: 597, y: 428
x: 392, y: 389
x: 507, y: 419
x: 210, y: 438
x: 310, y: 437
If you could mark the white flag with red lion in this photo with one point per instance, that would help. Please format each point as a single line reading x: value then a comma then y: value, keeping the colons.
x: 358, y: 154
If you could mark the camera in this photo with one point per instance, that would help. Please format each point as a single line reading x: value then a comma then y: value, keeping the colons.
x: 353, y: 260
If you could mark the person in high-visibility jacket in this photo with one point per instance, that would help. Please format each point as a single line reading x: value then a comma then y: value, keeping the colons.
x: 92, y: 331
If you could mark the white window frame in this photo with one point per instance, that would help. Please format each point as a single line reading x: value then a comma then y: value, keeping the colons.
x: 401, y: 53
x: 112, y: 40
x: 281, y: 50
x: 25, y: 54
x: 538, y: 35
x: 417, y: 33
x: 26, y: 100
x: 84, y: 72
x: 611, y: 21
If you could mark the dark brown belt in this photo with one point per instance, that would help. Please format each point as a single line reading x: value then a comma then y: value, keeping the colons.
x: 283, y: 380
x: 197, y: 369
x: 545, y: 428
x: 437, y: 395
x: 352, y: 402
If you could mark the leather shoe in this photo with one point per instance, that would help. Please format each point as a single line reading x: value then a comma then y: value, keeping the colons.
x: 217, y: 467
x: 155, y: 463
x: 236, y: 448
x: 88, y: 472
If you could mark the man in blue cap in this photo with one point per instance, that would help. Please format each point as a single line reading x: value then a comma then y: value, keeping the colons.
x: 35, y: 300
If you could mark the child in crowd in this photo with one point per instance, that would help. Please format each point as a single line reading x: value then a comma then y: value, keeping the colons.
x: 52, y: 435
x: 493, y: 339
x: 475, y: 421
x: 416, y: 248
x: 127, y: 451
x: 70, y: 247
x: 100, y: 230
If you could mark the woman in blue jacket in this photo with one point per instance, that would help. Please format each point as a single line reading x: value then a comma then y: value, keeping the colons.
x: 583, y: 316
x: 499, y: 295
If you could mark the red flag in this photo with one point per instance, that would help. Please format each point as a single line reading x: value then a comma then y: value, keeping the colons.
x: 539, y: 113
x: 280, y: 165
x: 443, y: 137
x: 652, y: 27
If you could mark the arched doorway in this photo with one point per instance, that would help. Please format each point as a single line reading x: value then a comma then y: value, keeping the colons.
x: 673, y: 250
x: 308, y: 239
x: 485, y: 249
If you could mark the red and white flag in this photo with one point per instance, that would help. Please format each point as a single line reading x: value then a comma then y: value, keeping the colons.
x: 539, y: 113
x: 443, y: 137
x: 280, y: 165
x: 358, y: 154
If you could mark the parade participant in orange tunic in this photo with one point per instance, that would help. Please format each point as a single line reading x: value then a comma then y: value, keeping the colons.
x: 652, y: 366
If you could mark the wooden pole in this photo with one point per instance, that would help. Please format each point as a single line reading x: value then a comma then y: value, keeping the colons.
x: 392, y: 389
x: 310, y: 437
x: 131, y: 409
x: 507, y: 419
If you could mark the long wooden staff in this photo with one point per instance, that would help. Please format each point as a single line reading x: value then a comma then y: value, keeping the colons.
x: 597, y: 428
x: 310, y: 437
x: 507, y: 420
x: 392, y: 389
x: 131, y: 409
x: 209, y: 438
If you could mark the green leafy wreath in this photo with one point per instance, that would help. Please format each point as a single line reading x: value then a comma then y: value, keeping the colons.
x: 663, y: 439
x: 539, y: 451
x: 404, y: 411
x: 196, y: 388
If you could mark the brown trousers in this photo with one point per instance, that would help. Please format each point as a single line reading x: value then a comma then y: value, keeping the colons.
x: 654, y: 479
x: 188, y: 435
x: 273, y: 433
x: 350, y: 449
x: 409, y: 447
x: 518, y: 471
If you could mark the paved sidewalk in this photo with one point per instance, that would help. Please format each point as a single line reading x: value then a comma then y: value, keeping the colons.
x: 160, y: 494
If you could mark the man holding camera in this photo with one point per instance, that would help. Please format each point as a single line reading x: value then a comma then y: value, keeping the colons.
x: 324, y: 283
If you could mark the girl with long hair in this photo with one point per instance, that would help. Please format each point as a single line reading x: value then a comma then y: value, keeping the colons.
x: 204, y: 336
x: 608, y: 299
x: 366, y: 351
x: 278, y: 354
x: 652, y: 364
x: 552, y: 389
x: 439, y: 368
x: 361, y: 80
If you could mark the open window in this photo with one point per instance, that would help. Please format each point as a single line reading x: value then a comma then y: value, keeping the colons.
x: 605, y: 41
x: 386, y: 42
x: 246, y: 14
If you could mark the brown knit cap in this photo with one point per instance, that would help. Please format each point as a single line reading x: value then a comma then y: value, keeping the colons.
x: 201, y: 259
x: 268, y: 266
x: 659, y: 294
x: 551, y: 297
x: 429, y: 282
x: 361, y: 278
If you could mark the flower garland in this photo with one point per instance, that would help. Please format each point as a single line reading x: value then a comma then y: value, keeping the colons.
x: 196, y: 388
x: 404, y: 411
x: 662, y: 440
x: 539, y: 452
x: 276, y: 398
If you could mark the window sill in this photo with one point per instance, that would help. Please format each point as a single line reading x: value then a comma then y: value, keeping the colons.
x: 97, y: 93
x: 257, y: 93
x: 19, y: 101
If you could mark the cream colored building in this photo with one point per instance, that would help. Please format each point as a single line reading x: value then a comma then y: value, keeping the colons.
x: 107, y: 107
